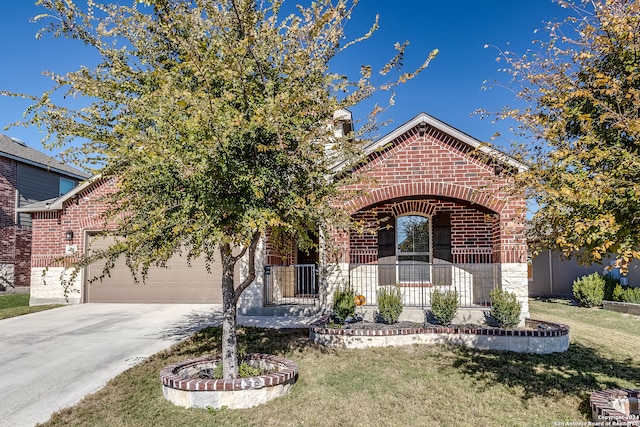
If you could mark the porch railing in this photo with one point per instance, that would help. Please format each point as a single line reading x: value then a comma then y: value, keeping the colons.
x: 291, y: 284
x: 298, y: 284
x: 418, y: 281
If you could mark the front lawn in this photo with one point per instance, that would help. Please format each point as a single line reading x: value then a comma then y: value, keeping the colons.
x: 12, y: 305
x: 406, y: 386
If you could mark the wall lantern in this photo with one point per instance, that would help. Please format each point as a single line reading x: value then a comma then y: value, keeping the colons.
x: 68, y: 236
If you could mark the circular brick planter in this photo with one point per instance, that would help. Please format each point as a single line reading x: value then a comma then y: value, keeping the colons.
x: 541, y: 337
x: 181, y: 388
x: 615, y: 407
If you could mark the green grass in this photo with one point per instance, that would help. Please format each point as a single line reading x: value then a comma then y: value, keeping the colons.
x: 13, y: 305
x: 403, y: 386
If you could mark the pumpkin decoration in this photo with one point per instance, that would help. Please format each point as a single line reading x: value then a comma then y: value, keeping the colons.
x: 360, y: 300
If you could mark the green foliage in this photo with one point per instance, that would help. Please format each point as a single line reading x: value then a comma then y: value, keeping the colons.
x: 579, y: 88
x: 444, y: 306
x: 589, y: 290
x: 389, y: 303
x: 618, y: 293
x: 610, y: 286
x: 212, y: 120
x: 626, y: 294
x: 244, y: 371
x: 505, y: 309
x: 632, y: 295
x: 344, y: 304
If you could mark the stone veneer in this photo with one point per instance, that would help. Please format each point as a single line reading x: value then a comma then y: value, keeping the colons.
x: 617, y: 407
x: 181, y: 390
x: 547, y: 338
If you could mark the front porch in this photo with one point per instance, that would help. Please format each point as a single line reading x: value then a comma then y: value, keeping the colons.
x: 299, y: 284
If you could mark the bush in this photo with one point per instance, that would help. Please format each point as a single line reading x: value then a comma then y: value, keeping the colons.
x: 589, y: 290
x: 631, y: 295
x: 344, y: 304
x: 389, y: 303
x: 618, y: 293
x: 505, y: 309
x: 625, y: 294
x: 610, y: 285
x: 444, y: 306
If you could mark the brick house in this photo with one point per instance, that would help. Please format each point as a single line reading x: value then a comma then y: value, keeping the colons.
x: 26, y: 176
x: 436, y: 216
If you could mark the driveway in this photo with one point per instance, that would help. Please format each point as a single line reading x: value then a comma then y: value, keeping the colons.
x: 52, y: 359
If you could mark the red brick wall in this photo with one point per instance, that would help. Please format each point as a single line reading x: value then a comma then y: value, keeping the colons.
x: 15, y: 241
x: 446, y: 174
x: 81, y: 214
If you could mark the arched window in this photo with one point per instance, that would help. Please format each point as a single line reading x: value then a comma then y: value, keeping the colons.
x: 413, y: 248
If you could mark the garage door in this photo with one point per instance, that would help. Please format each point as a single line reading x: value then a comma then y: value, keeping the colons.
x: 180, y: 283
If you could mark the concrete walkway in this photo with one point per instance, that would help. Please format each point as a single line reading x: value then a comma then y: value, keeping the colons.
x: 52, y: 359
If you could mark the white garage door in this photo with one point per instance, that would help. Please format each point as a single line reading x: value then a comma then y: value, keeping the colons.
x: 180, y: 283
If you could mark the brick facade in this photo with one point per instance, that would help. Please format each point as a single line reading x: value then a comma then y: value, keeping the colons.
x: 429, y: 172
x: 15, y: 240
x: 81, y: 214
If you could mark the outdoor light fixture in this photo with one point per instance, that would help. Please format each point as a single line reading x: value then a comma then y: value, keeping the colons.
x: 68, y: 236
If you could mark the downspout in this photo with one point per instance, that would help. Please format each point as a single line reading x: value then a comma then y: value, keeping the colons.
x: 550, y: 271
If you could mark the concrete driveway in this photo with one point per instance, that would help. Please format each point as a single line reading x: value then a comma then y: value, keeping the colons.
x: 52, y: 359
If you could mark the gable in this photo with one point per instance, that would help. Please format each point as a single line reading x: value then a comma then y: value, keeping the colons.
x: 432, y: 129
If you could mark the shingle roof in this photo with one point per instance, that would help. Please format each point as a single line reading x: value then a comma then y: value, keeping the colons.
x: 18, y: 151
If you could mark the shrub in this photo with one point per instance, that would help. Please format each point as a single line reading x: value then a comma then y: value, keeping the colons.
x: 505, y: 309
x: 589, y: 290
x: 618, y: 293
x: 389, y: 303
x: 610, y: 285
x: 444, y: 306
x: 244, y: 371
x: 344, y: 304
x: 632, y: 295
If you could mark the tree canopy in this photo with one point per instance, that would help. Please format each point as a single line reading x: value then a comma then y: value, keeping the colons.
x: 214, y: 118
x: 580, y: 88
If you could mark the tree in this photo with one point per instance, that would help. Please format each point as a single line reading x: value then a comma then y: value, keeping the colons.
x: 214, y: 119
x: 581, y: 95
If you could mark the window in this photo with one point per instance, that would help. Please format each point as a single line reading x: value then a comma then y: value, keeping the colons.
x: 66, y: 185
x: 413, y: 250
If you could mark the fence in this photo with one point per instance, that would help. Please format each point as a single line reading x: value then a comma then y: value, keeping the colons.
x: 291, y: 284
x: 417, y: 281
x: 298, y: 284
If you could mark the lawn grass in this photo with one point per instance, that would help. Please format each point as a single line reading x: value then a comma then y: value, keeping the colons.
x: 12, y: 305
x: 403, y: 386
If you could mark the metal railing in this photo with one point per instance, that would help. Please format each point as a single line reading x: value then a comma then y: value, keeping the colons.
x: 291, y: 284
x: 298, y: 284
x: 418, y: 281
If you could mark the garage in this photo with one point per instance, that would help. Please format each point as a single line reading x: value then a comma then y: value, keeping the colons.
x: 179, y: 283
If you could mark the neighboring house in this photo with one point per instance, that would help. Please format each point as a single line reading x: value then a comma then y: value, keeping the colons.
x: 437, y: 217
x: 26, y: 176
x: 553, y: 275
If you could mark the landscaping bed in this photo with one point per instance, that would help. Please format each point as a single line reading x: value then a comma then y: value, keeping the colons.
x: 537, y: 336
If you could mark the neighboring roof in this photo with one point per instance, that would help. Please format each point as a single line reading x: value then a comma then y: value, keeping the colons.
x: 15, y: 149
x: 450, y: 130
x: 57, y: 204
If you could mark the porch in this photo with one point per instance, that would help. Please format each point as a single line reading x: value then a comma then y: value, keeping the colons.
x: 299, y: 284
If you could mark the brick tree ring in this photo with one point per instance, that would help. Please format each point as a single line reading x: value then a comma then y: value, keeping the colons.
x: 188, y: 383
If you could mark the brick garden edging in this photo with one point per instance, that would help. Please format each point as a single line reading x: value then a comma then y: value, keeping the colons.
x: 181, y: 390
x: 618, y: 407
x: 547, y: 338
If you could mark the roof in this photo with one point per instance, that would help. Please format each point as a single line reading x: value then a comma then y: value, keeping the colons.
x: 450, y: 130
x: 57, y: 203
x: 15, y: 149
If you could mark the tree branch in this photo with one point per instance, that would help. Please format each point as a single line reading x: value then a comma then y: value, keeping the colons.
x: 252, y: 266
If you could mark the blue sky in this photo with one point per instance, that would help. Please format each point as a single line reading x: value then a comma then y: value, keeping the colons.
x: 450, y: 89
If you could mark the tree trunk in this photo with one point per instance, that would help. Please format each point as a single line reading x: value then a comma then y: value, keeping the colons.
x: 230, y: 295
x: 229, y: 313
